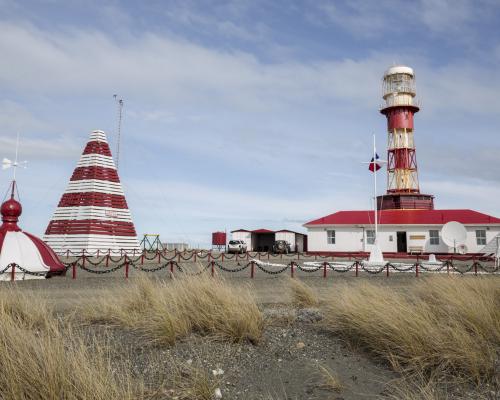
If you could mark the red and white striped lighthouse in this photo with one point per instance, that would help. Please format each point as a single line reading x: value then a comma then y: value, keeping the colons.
x: 403, y: 191
x: 93, y: 213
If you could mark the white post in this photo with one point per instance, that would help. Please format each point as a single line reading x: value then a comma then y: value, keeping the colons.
x: 375, y: 206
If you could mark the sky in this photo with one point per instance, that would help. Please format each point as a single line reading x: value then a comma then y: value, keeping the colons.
x: 247, y: 113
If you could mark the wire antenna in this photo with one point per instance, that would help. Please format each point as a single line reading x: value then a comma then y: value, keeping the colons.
x: 119, y: 105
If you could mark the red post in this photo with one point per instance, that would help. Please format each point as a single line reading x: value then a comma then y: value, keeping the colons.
x: 223, y: 257
x: 142, y: 259
x: 73, y: 270
x: 416, y: 270
x: 324, y: 269
x: 195, y: 256
x: 213, y: 268
x: 357, y: 268
x: 83, y: 258
x: 387, y: 270
x: 291, y: 269
x: 97, y: 252
x: 171, y: 269
x: 13, y: 273
x: 126, y: 267
x: 475, y: 268
x: 67, y: 253
x: 252, y: 269
x: 107, y: 260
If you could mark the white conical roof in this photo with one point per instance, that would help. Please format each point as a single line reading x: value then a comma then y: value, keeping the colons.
x: 93, y: 213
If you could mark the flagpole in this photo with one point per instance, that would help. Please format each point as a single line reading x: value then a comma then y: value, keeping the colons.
x: 375, y: 206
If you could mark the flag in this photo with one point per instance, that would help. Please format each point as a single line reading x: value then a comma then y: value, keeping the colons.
x: 374, y: 166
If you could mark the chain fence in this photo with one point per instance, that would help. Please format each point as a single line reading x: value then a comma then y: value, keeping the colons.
x: 101, y: 265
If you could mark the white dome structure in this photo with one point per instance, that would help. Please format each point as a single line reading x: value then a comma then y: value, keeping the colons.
x: 22, y: 255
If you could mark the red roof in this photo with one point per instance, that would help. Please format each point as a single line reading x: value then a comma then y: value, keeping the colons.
x: 266, y: 231
x: 406, y: 217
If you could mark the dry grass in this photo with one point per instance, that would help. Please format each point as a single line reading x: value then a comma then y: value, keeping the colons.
x: 166, y: 311
x: 40, y: 359
x: 302, y: 295
x: 329, y: 379
x: 23, y: 309
x: 446, y: 325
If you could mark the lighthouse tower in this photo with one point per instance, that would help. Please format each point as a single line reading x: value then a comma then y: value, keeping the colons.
x: 93, y: 213
x: 403, y: 191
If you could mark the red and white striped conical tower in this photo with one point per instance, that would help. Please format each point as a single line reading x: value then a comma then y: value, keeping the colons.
x: 93, y: 213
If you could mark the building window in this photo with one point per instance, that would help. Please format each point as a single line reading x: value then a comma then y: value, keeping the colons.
x: 481, y: 237
x: 330, y: 236
x: 370, y: 236
x: 434, y: 237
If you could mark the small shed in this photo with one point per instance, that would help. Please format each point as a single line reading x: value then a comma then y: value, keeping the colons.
x: 263, y: 239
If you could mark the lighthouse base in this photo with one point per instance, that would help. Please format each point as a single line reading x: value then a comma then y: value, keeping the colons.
x: 405, y: 201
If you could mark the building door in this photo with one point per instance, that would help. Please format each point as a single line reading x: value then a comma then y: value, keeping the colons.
x: 402, y: 246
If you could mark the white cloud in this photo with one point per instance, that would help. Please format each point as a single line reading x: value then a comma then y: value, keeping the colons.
x: 469, y: 194
x: 175, y: 72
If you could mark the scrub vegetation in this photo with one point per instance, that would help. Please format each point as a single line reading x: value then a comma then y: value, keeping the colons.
x: 41, y: 359
x: 194, y: 337
x: 167, y: 311
x: 442, y: 325
x: 302, y: 295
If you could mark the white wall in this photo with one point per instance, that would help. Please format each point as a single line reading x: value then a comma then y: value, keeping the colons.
x: 245, y: 236
x: 352, y: 238
x: 288, y: 236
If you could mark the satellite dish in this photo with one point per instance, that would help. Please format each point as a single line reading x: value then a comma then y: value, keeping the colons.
x: 454, y: 234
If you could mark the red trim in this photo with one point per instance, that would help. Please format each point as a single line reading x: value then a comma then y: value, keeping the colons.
x: 48, y: 256
x: 95, y: 172
x: 2, y: 237
x: 406, y: 217
x: 391, y: 255
x: 267, y: 231
x: 90, y: 227
x: 97, y: 199
x: 97, y: 147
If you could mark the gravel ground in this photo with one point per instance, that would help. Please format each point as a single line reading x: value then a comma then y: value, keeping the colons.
x: 284, y: 365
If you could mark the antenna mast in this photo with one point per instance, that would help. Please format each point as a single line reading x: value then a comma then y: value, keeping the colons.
x: 119, y: 104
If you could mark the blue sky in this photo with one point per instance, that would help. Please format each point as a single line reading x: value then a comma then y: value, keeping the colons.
x: 247, y: 113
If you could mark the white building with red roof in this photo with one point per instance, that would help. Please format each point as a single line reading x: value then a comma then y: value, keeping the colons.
x: 399, y: 231
x: 407, y: 220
